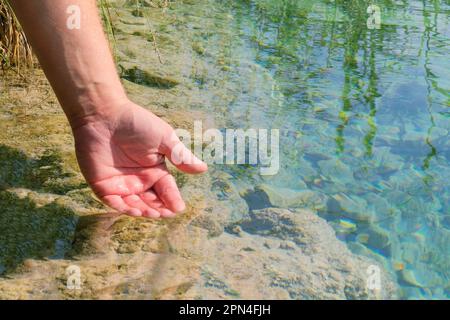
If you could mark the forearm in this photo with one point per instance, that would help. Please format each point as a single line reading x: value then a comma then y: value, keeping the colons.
x: 77, y: 62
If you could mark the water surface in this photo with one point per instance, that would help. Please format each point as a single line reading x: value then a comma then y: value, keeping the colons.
x: 364, y: 116
x: 364, y: 119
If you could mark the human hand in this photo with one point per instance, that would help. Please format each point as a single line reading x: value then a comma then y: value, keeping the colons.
x: 121, y: 153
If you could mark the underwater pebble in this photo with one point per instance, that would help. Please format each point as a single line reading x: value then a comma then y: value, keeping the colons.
x: 352, y: 207
x: 288, y: 198
x: 343, y: 226
x: 288, y: 245
x: 336, y: 171
x: 347, y: 224
x: 363, y: 238
x: 398, y: 266
x: 381, y: 207
x: 362, y: 250
x: 237, y: 230
x: 379, y: 238
x: 409, y: 277
x: 146, y: 78
x: 214, y: 228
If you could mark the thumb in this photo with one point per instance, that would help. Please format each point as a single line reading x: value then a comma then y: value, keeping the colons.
x: 181, y: 157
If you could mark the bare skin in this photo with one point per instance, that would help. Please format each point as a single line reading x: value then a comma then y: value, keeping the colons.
x: 120, y: 146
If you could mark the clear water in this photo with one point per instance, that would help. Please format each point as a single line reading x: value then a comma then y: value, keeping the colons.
x: 364, y: 116
x: 364, y: 119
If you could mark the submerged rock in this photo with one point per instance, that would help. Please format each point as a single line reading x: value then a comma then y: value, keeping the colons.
x: 326, y: 268
x: 214, y: 228
x: 336, y: 171
x: 279, y: 254
x: 288, y: 198
x: 147, y: 78
x: 378, y: 238
x: 381, y: 207
x: 360, y: 249
x: 409, y: 278
x: 351, y: 207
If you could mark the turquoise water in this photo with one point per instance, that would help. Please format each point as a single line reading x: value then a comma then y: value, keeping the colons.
x: 364, y: 117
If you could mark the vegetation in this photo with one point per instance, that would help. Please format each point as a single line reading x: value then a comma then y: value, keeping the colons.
x: 14, y: 48
x: 15, y: 51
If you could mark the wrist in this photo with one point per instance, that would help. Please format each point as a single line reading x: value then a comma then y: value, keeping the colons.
x: 94, y: 105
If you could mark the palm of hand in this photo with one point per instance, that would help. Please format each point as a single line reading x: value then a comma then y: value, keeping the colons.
x: 123, y: 160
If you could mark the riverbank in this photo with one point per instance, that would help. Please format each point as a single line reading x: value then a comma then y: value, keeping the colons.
x: 220, y: 248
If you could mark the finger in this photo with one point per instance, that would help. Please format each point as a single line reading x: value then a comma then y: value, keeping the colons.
x: 135, y: 201
x: 151, y: 213
x: 166, y: 189
x: 151, y: 199
x: 182, y: 157
x: 128, y: 182
x: 166, y: 213
x: 116, y: 202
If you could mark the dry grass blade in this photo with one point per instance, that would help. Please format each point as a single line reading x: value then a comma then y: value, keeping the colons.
x: 163, y: 4
x: 15, y: 50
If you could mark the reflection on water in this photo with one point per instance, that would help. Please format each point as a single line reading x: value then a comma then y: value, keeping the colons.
x: 365, y: 120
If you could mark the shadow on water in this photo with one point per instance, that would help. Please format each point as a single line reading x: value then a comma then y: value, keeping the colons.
x: 35, y: 226
x: 27, y: 229
x: 44, y: 174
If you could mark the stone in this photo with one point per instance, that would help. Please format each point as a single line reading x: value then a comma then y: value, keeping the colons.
x: 144, y: 77
x: 288, y: 198
x: 210, y: 224
x: 409, y: 278
x: 360, y: 249
x: 379, y: 238
x: 352, y: 207
x: 301, y: 241
x: 380, y: 206
x: 288, y: 245
x: 336, y: 171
